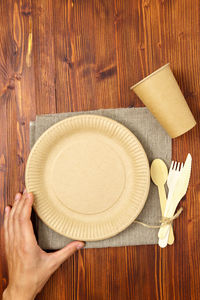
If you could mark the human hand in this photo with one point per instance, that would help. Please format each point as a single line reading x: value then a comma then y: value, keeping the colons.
x: 29, y: 267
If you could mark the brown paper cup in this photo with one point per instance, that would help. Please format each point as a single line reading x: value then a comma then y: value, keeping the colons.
x: 161, y: 94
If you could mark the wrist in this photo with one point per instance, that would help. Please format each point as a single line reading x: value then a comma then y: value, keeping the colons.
x: 11, y: 293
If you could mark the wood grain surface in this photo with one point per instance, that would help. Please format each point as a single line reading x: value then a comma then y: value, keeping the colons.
x: 58, y: 56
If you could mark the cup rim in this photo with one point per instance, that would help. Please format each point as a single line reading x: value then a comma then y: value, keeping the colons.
x: 155, y: 72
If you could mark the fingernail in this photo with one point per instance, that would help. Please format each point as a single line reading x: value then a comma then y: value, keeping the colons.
x: 24, y: 192
x: 17, y: 196
x: 80, y: 246
x: 29, y: 195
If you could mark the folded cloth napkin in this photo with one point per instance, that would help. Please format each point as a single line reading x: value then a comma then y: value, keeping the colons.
x: 156, y: 143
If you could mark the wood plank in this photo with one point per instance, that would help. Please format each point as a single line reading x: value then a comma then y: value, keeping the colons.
x: 44, y: 59
x: 17, y: 105
x: 85, y: 56
x: 58, y: 56
x: 138, y: 43
x: 8, y: 113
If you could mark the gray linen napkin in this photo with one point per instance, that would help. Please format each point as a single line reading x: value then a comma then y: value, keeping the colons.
x: 156, y: 143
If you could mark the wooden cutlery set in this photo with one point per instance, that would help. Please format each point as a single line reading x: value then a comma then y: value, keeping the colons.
x: 177, y: 183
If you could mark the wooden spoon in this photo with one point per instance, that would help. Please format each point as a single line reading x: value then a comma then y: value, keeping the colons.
x: 159, y: 175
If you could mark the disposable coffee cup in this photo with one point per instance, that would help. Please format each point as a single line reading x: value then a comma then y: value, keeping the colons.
x: 161, y: 94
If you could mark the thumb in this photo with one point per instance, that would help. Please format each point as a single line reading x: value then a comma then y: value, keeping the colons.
x: 58, y: 257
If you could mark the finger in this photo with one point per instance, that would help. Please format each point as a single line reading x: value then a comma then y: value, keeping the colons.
x: 23, y: 228
x: 14, y: 228
x: 6, y: 236
x: 25, y: 220
x: 6, y: 217
x: 17, y: 199
x: 27, y: 208
x: 19, y: 206
x: 58, y: 257
x: 17, y: 203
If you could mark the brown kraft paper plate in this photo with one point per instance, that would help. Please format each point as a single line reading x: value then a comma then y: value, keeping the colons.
x: 90, y: 177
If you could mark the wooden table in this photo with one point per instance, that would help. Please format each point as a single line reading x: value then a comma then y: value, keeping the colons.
x: 58, y: 56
